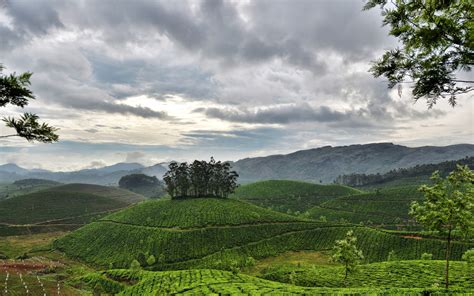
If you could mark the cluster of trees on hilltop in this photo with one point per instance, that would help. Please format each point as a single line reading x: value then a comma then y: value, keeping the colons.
x: 417, y: 171
x: 200, y: 179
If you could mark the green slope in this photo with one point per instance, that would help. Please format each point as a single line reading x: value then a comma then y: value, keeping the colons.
x: 61, y: 207
x: 385, y: 206
x: 216, y: 233
x: 390, y: 274
x: 25, y: 186
x: 216, y: 282
x: 199, y: 212
x: 284, y: 195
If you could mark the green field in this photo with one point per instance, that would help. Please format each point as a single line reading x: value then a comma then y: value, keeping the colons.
x: 216, y: 282
x: 219, y: 233
x: 62, y: 207
x: 390, y: 274
x: 385, y: 206
x: 290, y: 196
x: 21, y: 187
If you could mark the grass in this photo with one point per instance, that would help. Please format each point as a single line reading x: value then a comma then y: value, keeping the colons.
x: 290, y: 196
x: 390, y: 274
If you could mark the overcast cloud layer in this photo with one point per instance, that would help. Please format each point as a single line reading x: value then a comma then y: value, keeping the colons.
x: 151, y: 81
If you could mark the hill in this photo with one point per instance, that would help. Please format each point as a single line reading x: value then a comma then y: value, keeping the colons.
x: 219, y: 233
x: 217, y: 282
x: 416, y: 175
x: 290, y: 196
x: 68, y: 206
x: 327, y: 163
x: 24, y: 186
x: 384, y: 206
x: 143, y: 184
x: 108, y: 175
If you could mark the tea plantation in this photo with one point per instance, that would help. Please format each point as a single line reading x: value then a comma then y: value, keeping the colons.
x: 216, y: 282
x: 219, y: 233
x: 385, y: 206
x: 290, y: 196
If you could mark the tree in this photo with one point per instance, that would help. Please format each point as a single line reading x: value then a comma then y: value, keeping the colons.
x: 448, y: 207
x: 14, y: 90
x: 345, y: 251
x: 437, y: 43
x: 200, y: 179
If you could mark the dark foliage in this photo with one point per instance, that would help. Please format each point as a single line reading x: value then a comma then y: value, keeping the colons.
x: 138, y: 180
x: 200, y: 179
x: 420, y: 170
x: 436, y: 44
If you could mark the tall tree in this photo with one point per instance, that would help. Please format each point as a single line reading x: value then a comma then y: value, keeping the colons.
x: 346, y: 252
x: 437, y: 43
x: 448, y: 207
x: 14, y: 90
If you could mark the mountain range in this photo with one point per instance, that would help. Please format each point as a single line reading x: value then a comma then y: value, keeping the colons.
x: 323, y: 164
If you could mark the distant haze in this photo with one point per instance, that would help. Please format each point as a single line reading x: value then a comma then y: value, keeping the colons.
x: 315, y: 165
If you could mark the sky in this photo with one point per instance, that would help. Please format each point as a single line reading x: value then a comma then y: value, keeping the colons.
x: 153, y: 81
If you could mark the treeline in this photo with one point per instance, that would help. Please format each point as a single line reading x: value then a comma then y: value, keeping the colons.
x: 417, y: 171
x: 200, y: 179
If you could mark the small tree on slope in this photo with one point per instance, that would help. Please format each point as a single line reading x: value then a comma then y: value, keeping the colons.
x: 345, y: 251
x: 448, y: 207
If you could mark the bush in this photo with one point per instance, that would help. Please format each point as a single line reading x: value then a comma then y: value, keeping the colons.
x: 151, y: 260
x: 135, y: 265
x: 426, y: 256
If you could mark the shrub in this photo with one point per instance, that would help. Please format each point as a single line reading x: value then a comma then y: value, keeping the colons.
x: 426, y: 256
x: 135, y: 265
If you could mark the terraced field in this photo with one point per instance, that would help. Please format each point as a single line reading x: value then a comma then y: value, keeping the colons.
x: 391, y: 274
x: 385, y: 206
x: 216, y: 282
x: 60, y: 208
x: 290, y: 196
x: 216, y: 233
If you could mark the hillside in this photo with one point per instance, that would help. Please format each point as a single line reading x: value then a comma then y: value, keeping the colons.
x: 327, y: 163
x: 292, y: 196
x: 416, y: 175
x: 217, y: 282
x: 385, y: 206
x: 217, y: 233
x: 389, y: 274
x: 69, y: 205
x: 24, y: 186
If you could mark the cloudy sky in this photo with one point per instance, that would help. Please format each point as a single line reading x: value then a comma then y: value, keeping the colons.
x: 150, y: 81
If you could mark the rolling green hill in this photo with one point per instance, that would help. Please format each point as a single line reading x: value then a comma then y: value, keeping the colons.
x: 290, y: 196
x: 24, y: 186
x: 217, y: 282
x: 218, y: 233
x: 62, y: 207
x: 385, y: 206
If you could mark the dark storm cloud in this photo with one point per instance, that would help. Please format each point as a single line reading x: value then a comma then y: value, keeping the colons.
x: 278, y: 114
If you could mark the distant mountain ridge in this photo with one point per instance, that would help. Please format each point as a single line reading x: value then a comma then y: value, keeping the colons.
x: 322, y: 164
x: 325, y: 164
x: 108, y: 175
